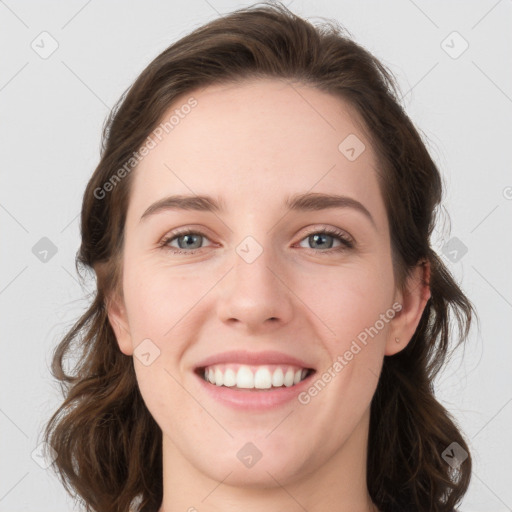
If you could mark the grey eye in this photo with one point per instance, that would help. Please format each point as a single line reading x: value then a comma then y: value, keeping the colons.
x: 189, y: 242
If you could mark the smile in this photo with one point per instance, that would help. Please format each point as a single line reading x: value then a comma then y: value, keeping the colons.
x: 261, y: 377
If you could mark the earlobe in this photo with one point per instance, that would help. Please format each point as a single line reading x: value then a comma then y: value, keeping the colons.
x: 118, y: 319
x: 413, y: 300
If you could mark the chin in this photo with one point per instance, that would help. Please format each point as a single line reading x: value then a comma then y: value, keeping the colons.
x: 271, y: 469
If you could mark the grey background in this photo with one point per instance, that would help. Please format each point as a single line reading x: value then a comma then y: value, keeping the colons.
x: 52, y: 112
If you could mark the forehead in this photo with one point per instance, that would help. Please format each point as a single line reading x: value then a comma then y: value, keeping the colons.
x: 255, y: 142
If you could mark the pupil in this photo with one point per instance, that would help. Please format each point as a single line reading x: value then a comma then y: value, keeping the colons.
x: 316, y: 237
x: 188, y: 238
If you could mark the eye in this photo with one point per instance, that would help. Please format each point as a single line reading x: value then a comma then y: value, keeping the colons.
x: 188, y: 241
x: 324, y: 238
x: 185, y: 239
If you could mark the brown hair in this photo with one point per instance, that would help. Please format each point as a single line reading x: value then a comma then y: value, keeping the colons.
x: 108, y: 444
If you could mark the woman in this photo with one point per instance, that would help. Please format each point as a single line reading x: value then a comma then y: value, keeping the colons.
x: 229, y: 360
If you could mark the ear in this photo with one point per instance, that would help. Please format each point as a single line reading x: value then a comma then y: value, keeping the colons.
x: 118, y: 319
x: 413, y: 300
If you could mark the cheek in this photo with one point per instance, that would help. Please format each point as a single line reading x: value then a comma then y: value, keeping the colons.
x: 157, y: 299
x: 347, y: 308
x: 348, y: 301
x: 159, y: 304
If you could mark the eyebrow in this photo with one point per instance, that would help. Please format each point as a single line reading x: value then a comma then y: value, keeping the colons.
x: 311, y: 201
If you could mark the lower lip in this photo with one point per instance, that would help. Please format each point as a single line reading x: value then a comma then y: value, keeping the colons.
x: 252, y: 399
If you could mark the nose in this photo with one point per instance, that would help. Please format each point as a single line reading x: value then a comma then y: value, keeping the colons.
x: 255, y: 295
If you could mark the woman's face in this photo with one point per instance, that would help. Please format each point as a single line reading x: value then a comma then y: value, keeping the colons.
x: 257, y: 277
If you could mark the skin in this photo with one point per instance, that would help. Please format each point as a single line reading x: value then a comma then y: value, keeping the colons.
x: 253, y: 144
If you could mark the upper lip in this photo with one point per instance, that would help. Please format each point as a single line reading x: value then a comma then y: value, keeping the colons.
x: 254, y: 358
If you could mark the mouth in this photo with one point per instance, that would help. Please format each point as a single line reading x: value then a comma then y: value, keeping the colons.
x: 255, y: 378
x: 253, y: 381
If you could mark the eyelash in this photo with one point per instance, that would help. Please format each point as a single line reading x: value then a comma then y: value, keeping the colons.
x: 346, y: 242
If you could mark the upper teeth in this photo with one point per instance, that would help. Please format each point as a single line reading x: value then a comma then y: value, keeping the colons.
x: 259, y: 377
